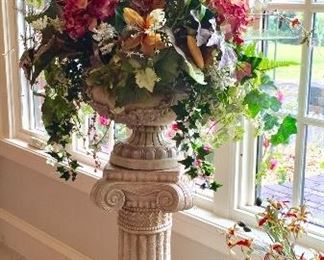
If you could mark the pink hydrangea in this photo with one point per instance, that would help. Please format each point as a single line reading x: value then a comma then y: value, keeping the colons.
x: 273, y: 164
x: 266, y: 143
x: 82, y: 15
x: 198, y: 163
x: 208, y: 148
x: 104, y: 120
x: 232, y: 16
x: 280, y: 96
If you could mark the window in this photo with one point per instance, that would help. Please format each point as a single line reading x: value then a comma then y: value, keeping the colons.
x: 297, y: 171
x: 294, y: 172
x: 31, y: 103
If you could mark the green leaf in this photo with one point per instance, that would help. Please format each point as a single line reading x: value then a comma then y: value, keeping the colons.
x: 215, y: 186
x: 253, y: 60
x: 192, y: 70
x: 322, y: 165
x: 195, y: 73
x: 287, y: 128
x: 119, y: 18
x: 187, y: 162
x: 275, y: 104
x: 36, y: 3
x: 53, y: 10
x: 258, y: 101
x: 167, y: 67
x: 267, y: 64
x: 270, y: 122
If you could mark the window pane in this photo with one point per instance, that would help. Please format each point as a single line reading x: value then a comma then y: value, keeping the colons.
x: 316, y: 90
x: 314, y: 174
x: 30, y: 103
x: 276, y: 171
x: 285, y: 47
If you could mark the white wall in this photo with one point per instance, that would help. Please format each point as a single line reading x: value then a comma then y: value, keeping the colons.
x: 67, y: 215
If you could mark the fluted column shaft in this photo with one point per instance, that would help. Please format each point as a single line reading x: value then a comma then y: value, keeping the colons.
x: 140, y: 240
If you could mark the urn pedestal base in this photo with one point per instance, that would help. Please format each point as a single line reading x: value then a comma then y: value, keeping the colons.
x: 145, y: 201
x: 145, y: 149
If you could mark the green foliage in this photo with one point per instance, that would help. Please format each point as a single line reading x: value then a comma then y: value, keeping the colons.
x: 267, y: 64
x: 60, y: 112
x: 215, y: 186
x: 258, y: 101
x: 270, y: 122
x: 287, y: 128
x: 52, y: 10
x: 167, y: 66
x: 36, y: 3
x: 322, y: 165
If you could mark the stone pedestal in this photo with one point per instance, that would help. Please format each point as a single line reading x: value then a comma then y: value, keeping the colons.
x: 145, y: 201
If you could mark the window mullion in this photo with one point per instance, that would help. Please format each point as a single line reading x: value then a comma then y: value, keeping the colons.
x: 302, y: 109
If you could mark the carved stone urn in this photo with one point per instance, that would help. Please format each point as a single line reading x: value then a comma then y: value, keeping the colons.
x: 146, y: 148
x: 143, y: 180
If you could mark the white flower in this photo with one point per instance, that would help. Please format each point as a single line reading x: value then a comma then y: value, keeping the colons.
x: 104, y: 32
x: 40, y: 24
x: 157, y: 20
x: 146, y: 78
x: 43, y: 22
x: 104, y: 35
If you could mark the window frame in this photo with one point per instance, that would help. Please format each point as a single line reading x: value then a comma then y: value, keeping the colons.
x: 239, y: 204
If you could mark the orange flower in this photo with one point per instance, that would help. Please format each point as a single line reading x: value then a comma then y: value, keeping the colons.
x: 195, y: 51
x: 243, y: 243
x: 145, y: 31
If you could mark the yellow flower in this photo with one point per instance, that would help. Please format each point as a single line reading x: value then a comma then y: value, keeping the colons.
x: 146, y: 35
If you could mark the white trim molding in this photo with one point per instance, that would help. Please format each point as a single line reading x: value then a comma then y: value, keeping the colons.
x: 32, y: 242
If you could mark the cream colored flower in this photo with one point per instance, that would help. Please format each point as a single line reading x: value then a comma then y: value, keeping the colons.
x: 146, y: 78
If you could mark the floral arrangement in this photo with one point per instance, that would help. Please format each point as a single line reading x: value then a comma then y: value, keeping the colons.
x: 137, y: 49
x: 283, y: 225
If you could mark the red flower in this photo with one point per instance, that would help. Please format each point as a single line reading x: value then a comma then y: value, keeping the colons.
x: 291, y: 214
x: 244, y: 242
x: 175, y: 127
x: 294, y: 23
x: 262, y: 221
x: 82, y: 15
x: 232, y: 15
x: 277, y: 247
x: 320, y: 257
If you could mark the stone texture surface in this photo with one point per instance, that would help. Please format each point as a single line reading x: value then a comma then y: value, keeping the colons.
x: 145, y: 201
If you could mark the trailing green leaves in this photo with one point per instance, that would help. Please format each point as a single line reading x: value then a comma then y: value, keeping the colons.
x: 258, y: 101
x: 287, y: 128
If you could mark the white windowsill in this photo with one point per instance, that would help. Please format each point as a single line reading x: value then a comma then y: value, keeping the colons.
x: 197, y: 224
